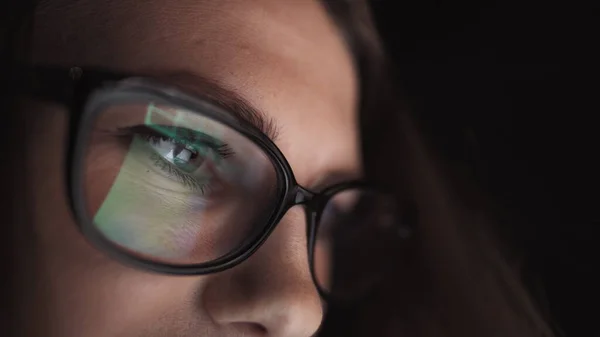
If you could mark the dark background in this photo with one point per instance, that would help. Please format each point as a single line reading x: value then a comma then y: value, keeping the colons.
x: 509, y: 91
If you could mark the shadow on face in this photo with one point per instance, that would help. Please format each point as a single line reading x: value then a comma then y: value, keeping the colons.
x: 284, y: 58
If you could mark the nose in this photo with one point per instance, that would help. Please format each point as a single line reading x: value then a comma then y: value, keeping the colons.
x: 272, y: 293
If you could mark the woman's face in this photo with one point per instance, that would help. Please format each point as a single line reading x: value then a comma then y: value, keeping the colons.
x: 284, y: 58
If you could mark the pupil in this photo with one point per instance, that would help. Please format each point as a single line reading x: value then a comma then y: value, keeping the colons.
x: 184, y: 158
x: 181, y: 152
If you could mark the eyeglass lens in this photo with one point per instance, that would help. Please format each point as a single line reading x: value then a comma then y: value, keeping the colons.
x: 174, y: 186
x: 352, y: 242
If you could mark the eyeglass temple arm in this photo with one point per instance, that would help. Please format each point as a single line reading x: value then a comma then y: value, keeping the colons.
x: 50, y: 83
x: 58, y: 84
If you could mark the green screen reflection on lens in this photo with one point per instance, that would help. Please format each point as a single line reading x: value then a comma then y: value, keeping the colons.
x: 141, y: 212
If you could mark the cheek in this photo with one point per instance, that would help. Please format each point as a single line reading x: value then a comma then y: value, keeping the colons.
x: 111, y: 301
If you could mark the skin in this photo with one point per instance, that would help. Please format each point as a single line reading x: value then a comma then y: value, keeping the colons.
x: 288, y: 60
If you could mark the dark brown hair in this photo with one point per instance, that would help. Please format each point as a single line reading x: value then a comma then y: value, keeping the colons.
x: 454, y: 277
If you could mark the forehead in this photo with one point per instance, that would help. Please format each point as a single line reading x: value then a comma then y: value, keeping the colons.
x: 286, y: 58
x: 238, y: 43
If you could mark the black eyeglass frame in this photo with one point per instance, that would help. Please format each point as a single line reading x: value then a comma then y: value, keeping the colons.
x: 73, y: 87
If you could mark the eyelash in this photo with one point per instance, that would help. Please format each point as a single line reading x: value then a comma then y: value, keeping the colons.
x: 222, y: 150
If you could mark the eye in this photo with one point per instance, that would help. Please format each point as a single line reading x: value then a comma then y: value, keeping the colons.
x: 183, y: 156
x: 188, y: 157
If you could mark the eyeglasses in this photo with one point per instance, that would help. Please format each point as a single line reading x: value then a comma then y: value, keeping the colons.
x: 177, y: 184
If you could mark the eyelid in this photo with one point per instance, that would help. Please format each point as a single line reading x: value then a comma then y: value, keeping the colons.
x: 196, y: 135
x: 192, y: 135
x: 219, y: 149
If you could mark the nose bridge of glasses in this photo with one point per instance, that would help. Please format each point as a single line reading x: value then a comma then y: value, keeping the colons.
x: 301, y: 196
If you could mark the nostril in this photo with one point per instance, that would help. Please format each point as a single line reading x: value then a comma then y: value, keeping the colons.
x: 249, y: 329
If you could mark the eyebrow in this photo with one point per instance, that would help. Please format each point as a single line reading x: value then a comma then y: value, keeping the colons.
x: 227, y: 99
